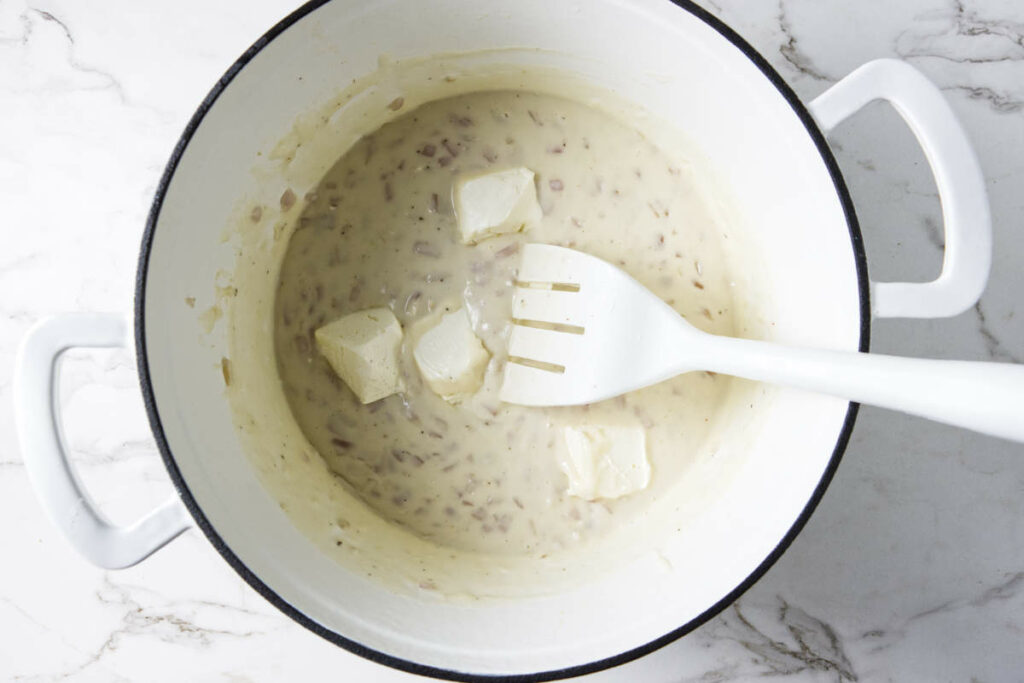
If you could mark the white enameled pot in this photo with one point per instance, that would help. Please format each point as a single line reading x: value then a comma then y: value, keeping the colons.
x: 673, y: 60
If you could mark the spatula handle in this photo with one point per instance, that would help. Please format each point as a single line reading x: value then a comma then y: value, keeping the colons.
x: 985, y: 397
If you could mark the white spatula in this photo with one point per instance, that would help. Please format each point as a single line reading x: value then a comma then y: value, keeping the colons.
x: 585, y: 331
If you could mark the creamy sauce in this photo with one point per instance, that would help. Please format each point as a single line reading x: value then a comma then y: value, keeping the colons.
x: 379, y: 230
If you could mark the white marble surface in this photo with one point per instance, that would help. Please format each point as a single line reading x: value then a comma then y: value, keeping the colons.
x: 911, y: 569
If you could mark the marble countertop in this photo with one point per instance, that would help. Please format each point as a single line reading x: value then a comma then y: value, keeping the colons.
x: 912, y: 568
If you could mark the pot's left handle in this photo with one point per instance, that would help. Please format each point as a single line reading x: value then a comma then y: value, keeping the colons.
x: 37, y: 415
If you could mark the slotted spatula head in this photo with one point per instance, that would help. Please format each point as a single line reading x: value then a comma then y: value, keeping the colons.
x: 586, y: 331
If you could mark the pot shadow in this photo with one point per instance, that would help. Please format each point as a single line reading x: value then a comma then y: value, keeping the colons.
x: 916, y: 548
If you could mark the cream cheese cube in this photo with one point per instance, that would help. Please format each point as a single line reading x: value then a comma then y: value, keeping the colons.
x: 496, y: 203
x: 362, y: 348
x: 451, y: 358
x: 605, y: 461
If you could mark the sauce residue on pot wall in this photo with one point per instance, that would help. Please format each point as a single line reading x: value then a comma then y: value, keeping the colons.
x: 633, y: 202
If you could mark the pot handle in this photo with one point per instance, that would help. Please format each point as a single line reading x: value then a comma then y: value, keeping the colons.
x: 53, y: 476
x: 961, y: 185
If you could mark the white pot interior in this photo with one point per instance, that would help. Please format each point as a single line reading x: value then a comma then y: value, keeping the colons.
x: 771, y: 447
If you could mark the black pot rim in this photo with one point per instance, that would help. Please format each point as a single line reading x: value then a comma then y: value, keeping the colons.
x: 409, y: 666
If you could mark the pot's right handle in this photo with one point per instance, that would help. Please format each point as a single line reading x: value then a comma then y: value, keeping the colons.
x: 50, y: 469
x: 965, y: 210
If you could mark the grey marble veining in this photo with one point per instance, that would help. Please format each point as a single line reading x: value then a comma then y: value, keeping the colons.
x: 911, y: 569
